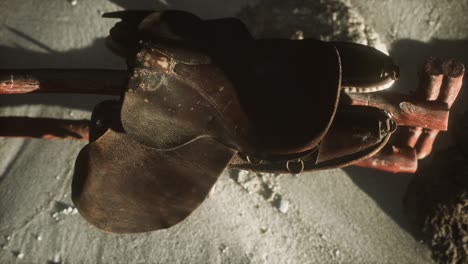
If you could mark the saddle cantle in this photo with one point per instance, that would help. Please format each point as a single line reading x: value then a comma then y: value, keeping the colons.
x: 200, y: 98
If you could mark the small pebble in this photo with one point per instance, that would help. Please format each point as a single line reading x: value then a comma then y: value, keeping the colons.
x: 73, y: 2
x: 55, y: 216
x: 223, y: 248
x: 283, y: 206
x: 56, y: 260
x: 19, y: 255
x: 69, y: 210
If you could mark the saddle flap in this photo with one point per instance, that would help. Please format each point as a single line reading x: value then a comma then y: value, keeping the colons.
x: 355, y: 128
x: 169, y: 102
x: 121, y: 186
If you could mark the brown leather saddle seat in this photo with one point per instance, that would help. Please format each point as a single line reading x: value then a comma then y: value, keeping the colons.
x: 242, y: 95
x: 258, y: 108
x: 204, y: 94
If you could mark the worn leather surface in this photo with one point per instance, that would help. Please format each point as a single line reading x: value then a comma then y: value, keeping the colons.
x: 121, y: 186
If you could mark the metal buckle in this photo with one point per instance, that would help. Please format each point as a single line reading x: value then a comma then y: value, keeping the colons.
x: 296, y: 161
x: 249, y: 160
x: 391, y: 126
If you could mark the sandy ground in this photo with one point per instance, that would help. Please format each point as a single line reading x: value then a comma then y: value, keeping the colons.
x: 339, y: 216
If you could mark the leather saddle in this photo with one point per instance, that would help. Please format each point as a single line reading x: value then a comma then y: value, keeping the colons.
x: 203, y: 96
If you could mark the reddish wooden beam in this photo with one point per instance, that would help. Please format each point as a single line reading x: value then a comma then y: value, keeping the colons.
x: 392, y: 159
x: 452, y: 83
x: 440, y: 82
x: 106, y: 82
x: 447, y: 91
x: 404, y: 109
x: 112, y: 82
x: 430, y: 79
